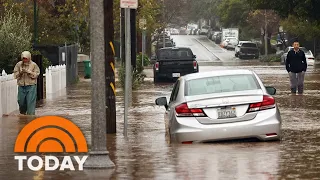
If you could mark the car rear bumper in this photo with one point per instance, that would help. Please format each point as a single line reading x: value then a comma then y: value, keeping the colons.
x: 189, y: 129
x: 169, y: 75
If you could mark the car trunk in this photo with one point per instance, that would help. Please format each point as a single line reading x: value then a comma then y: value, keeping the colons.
x: 176, y: 66
x: 225, y: 107
x: 249, y: 50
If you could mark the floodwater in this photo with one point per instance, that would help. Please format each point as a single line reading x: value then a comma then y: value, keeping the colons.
x: 147, y: 153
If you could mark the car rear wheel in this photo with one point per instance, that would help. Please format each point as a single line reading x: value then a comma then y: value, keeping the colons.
x: 156, y: 79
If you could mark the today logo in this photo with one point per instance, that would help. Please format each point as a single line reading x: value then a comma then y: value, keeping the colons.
x: 50, y: 134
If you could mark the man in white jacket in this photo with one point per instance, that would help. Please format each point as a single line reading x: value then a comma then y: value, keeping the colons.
x: 26, y: 72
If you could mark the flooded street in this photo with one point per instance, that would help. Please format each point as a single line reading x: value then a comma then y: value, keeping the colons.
x: 148, y: 154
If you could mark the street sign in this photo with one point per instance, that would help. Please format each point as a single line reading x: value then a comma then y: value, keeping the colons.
x: 129, y: 4
x: 142, y: 24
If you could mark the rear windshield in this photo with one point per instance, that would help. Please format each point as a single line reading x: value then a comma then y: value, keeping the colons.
x: 175, y: 54
x: 221, y: 84
x: 249, y: 45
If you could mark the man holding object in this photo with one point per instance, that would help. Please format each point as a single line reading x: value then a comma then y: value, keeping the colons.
x: 296, y: 65
x: 26, y: 72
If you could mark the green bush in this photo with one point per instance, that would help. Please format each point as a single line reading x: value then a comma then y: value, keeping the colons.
x: 146, y: 60
x: 137, y: 74
x: 15, y: 37
x: 271, y: 58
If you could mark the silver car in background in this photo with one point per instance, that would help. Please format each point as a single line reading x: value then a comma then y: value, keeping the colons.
x: 308, y: 53
x: 221, y: 105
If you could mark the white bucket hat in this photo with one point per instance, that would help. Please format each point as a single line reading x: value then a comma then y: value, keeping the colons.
x: 26, y: 54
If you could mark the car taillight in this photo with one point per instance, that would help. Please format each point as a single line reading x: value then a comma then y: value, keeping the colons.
x: 183, y: 110
x: 157, y: 66
x: 267, y: 103
x: 195, y: 65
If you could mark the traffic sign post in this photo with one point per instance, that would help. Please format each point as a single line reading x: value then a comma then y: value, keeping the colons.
x: 127, y: 5
x: 142, y: 26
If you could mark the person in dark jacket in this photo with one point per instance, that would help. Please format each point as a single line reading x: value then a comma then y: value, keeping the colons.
x: 296, y: 65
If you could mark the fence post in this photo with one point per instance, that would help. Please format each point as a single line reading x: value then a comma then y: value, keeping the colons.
x: 1, y: 98
x: 4, y: 92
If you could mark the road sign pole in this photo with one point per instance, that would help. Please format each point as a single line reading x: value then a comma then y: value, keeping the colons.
x: 143, y: 46
x: 128, y: 88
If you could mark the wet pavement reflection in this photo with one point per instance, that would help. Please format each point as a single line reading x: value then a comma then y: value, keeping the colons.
x: 148, y: 154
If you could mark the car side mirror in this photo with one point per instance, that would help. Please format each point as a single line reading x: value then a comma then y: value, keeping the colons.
x: 194, y: 56
x: 271, y: 90
x: 162, y: 102
x: 239, y: 46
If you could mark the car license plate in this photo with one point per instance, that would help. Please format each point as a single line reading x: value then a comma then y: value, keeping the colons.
x: 175, y: 74
x: 227, y: 113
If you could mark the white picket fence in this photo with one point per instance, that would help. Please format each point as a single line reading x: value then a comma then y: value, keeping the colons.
x: 56, y: 82
x: 8, y: 93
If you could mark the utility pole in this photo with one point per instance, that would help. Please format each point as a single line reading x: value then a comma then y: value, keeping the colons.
x: 110, y: 67
x: 122, y: 35
x: 35, y: 21
x: 164, y: 21
x: 265, y: 33
x: 98, y: 155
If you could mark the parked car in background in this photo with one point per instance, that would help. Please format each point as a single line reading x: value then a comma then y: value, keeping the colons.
x: 309, y: 55
x: 204, y: 30
x: 224, y: 43
x: 218, y: 38
x: 250, y: 50
x: 168, y: 43
x: 232, y: 44
x: 172, y: 63
x: 221, y: 105
x: 237, y: 48
x: 174, y: 32
x: 214, y: 35
x: 183, y: 31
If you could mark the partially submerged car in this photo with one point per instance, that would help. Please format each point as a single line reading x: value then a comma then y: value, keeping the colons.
x: 221, y: 105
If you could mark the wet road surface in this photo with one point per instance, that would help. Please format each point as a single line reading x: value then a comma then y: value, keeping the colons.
x: 147, y: 153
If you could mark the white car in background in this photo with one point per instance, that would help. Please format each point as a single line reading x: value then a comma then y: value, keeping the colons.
x: 232, y: 44
x: 308, y: 53
x: 204, y: 30
x: 224, y: 43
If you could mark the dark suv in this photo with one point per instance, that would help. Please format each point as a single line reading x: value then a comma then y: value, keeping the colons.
x: 172, y: 63
x: 249, y: 49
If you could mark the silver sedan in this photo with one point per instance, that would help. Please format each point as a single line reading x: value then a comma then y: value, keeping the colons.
x: 221, y: 105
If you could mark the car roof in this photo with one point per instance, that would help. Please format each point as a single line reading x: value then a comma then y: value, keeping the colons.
x: 174, y: 48
x: 216, y: 73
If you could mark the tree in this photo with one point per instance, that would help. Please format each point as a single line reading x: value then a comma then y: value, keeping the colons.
x: 13, y: 38
x: 259, y: 18
x: 299, y: 17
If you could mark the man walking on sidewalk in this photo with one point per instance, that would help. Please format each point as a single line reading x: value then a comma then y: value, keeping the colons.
x: 296, y: 65
x: 26, y: 72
